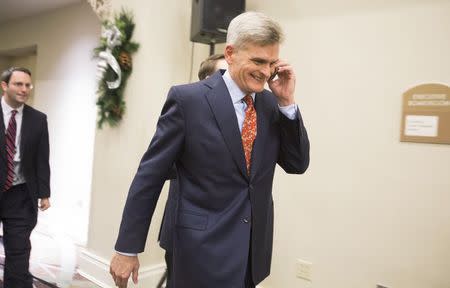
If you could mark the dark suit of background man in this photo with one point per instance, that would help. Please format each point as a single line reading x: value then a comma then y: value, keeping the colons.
x: 223, y: 213
x: 24, y: 173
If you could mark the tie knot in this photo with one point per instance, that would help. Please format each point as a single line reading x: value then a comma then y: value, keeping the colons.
x: 14, y: 112
x: 248, y: 100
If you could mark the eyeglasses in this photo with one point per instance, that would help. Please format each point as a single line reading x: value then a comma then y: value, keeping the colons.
x: 28, y: 86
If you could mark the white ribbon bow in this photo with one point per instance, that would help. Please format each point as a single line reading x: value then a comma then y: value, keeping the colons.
x: 112, y: 36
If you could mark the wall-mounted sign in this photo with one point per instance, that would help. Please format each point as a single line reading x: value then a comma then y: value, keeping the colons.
x: 426, y: 114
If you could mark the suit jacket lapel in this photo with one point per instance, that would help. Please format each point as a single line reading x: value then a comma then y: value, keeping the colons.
x: 222, y: 107
x: 2, y: 134
x: 24, y: 132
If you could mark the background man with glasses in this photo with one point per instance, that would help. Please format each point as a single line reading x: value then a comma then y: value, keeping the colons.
x: 24, y: 173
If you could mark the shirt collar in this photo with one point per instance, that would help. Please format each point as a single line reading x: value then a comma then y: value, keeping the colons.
x: 234, y: 90
x: 7, y: 109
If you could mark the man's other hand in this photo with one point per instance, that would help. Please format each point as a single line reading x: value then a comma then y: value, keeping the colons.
x: 122, y: 267
x: 44, y: 204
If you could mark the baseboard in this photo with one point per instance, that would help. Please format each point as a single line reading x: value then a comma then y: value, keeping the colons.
x: 96, y: 269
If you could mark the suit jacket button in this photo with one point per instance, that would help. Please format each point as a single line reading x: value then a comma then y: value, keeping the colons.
x: 245, y: 220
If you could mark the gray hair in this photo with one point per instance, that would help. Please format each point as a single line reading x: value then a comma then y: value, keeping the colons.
x: 253, y: 27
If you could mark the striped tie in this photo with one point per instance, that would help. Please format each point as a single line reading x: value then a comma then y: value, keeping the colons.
x: 10, y: 150
x: 249, y: 130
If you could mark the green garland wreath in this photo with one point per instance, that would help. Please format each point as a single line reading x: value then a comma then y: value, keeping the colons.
x: 111, y: 102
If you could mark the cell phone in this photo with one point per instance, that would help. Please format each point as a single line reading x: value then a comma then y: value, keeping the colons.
x: 275, y: 73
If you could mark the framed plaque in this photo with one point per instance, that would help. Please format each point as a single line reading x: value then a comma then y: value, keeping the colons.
x: 426, y: 114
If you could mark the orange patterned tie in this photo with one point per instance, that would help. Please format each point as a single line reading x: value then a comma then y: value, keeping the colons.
x: 249, y: 130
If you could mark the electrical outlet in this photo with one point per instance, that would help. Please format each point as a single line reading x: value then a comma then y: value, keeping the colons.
x: 303, y: 269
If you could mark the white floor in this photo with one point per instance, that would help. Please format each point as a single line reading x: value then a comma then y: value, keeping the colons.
x: 54, y: 259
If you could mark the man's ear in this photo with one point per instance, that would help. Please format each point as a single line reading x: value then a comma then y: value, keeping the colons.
x: 229, y: 50
x: 4, y: 86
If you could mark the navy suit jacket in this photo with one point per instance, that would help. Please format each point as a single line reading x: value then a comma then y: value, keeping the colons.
x: 34, y: 149
x: 221, y: 217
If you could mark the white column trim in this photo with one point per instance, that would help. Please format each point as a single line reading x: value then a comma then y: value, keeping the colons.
x: 102, y: 8
x: 96, y: 269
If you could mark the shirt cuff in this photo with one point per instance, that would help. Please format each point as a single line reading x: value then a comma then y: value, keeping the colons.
x: 289, y: 111
x: 127, y: 254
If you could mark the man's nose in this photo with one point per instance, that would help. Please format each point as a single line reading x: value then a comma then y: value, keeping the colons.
x: 266, y: 70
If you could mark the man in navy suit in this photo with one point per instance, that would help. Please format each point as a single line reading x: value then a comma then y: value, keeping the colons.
x: 24, y: 173
x: 208, y: 67
x: 225, y: 135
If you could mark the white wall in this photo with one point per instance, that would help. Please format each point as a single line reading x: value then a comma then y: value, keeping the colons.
x: 3, y: 62
x: 64, y: 90
x: 370, y: 209
x: 162, y: 60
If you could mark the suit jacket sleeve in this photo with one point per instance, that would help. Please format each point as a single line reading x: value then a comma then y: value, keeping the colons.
x: 294, y: 145
x: 153, y: 170
x: 43, y: 166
